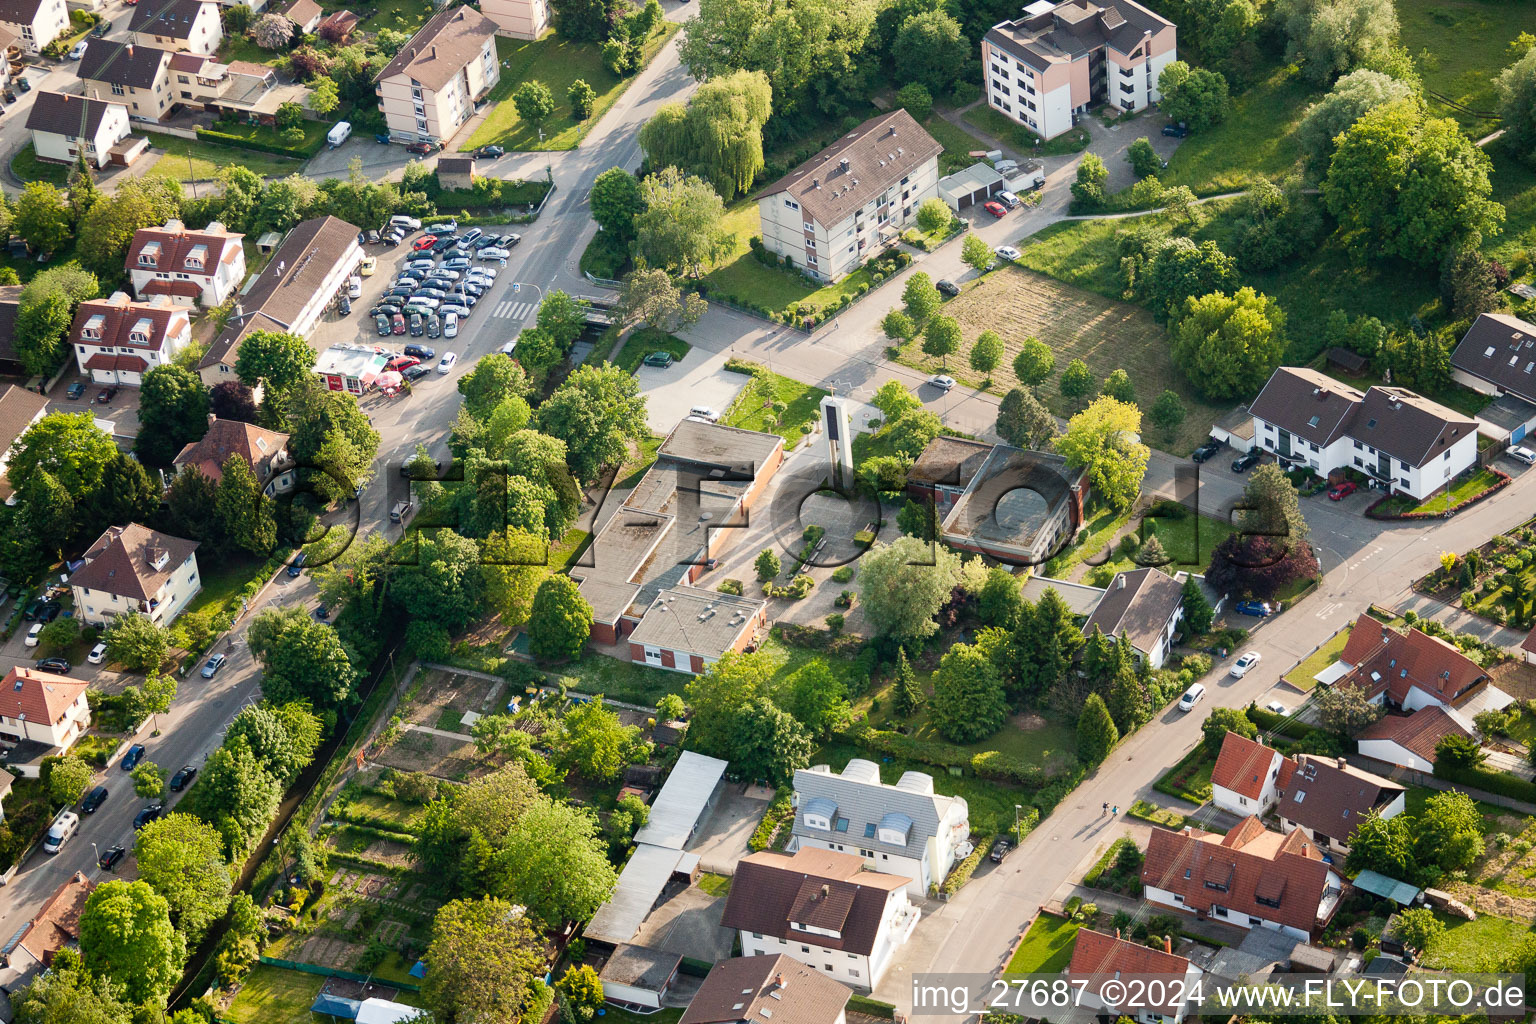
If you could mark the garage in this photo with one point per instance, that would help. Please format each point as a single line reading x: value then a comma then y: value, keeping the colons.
x: 976, y: 184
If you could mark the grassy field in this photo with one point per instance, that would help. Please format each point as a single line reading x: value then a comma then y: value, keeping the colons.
x: 1302, y: 676
x: 1255, y: 141
x: 1104, y: 525
x: 1514, y: 185
x: 1459, y: 45
x: 645, y: 341
x: 1032, y: 738
x: 1018, y: 304
x: 715, y: 885
x: 206, y: 159
x: 1473, y: 945
x: 29, y: 168
x: 751, y: 410
x: 274, y: 995
x: 222, y: 579
x: 1047, y: 947
x: 1021, y: 138
x: 557, y: 62
x: 957, y: 142
x: 1188, y: 541
x: 739, y: 276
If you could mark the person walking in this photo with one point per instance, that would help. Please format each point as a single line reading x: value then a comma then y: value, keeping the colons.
x: 1105, y: 810
x: 1115, y: 812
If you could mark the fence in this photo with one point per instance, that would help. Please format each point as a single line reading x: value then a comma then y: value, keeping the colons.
x: 602, y: 282
x: 332, y: 972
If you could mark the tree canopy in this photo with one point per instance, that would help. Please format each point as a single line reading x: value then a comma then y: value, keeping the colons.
x: 484, y: 963
x: 1103, y: 441
x: 595, y: 412
x: 127, y: 938
x: 903, y: 585
x: 1330, y: 37
x: 718, y: 135
x: 680, y: 227
x: 1228, y: 345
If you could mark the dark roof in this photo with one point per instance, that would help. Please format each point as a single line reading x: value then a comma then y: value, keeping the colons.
x: 715, y: 444
x: 948, y: 461
x: 10, y: 296
x: 1344, y: 359
x: 122, y: 64
x: 255, y: 445
x: 1500, y: 349
x: 1139, y: 604
x: 1306, y: 402
x: 828, y: 890
x: 57, y: 924
x: 1073, y: 29
x: 1419, y: 733
x: 122, y: 561
x: 225, y: 347
x: 171, y: 18
x: 20, y: 12
x: 1332, y: 797
x: 456, y: 164
x: 440, y: 48
x: 761, y: 989
x: 641, y: 967
x: 879, y: 153
x: 1385, y: 660
x: 72, y: 116
x: 1243, y: 765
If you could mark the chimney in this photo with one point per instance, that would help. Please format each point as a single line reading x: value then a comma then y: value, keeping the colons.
x: 130, y: 49
x: 778, y: 980
x: 1117, y: 933
x: 1167, y: 943
x: 843, y: 163
x: 826, y: 890
x: 211, y: 419
x: 1120, y: 582
x: 239, y: 310
x: 434, y: 51
x: 1341, y: 762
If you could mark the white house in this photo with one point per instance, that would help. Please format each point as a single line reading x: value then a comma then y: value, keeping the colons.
x: 1325, y: 798
x: 1250, y: 878
x: 191, y: 25
x: 205, y: 265
x: 118, y: 341
x: 1146, y: 607
x: 265, y: 451
x: 1410, y: 740
x: 1412, y: 445
x: 430, y: 87
x: 1248, y: 776
x: 135, y: 569
x: 35, y: 23
x: 823, y: 909
x: 851, y: 200
x: 759, y: 989
x: 62, y: 123
x: 1099, y: 959
x: 40, y: 707
x: 19, y: 409
x: 1046, y: 69
x: 1497, y: 356
x: 903, y: 829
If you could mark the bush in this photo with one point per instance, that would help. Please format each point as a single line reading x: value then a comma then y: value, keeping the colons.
x: 294, y: 147
x: 962, y: 872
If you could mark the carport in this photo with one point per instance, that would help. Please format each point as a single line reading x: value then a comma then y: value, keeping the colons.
x: 976, y: 184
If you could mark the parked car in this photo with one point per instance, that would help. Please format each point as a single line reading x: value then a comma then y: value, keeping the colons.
x: 493, y: 253
x: 658, y: 359
x: 400, y: 363
x: 94, y: 799
x: 182, y: 778
x: 397, y: 322
x: 76, y: 390
x: 434, y: 327
x: 1000, y: 850
x: 36, y: 609
x: 450, y: 325
x: 381, y: 322
x: 1175, y: 131
x: 296, y: 567
x: 1340, y: 491
x: 131, y: 759
x: 425, y: 242
x: 1192, y: 696
x: 446, y: 363
x: 456, y: 263
x: 1007, y: 252
x: 212, y: 666
x: 1244, y: 462
x: 508, y: 241
x: 489, y: 273
x: 78, y: 50
x: 1258, y: 609
x: 50, y: 613
x: 948, y: 288
x: 1241, y: 666
x: 452, y: 306
x: 387, y: 308
x: 447, y: 227
x: 354, y: 287
x: 108, y: 860
x: 415, y: 373
x: 368, y: 266
x: 420, y: 351
x: 1205, y: 451
x: 996, y: 209
x: 417, y: 328
x: 105, y: 396
x: 509, y: 348
x: 147, y: 815
x: 429, y: 292
x: 490, y: 152
x: 57, y: 665
x: 942, y: 381
x: 344, y: 306
x: 471, y: 235
x: 1524, y: 454
x: 97, y: 655
x: 1276, y: 707
x: 443, y: 275
x: 1009, y: 200
x: 33, y: 633
x: 422, y: 148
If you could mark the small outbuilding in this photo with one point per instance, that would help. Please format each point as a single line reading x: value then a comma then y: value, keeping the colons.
x: 976, y: 184
x: 456, y: 172
x: 639, y: 976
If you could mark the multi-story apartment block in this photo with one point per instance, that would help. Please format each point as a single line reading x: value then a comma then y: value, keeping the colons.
x: 840, y: 207
x: 431, y: 86
x: 34, y: 23
x: 205, y: 265
x: 191, y: 25
x: 118, y: 341
x: 518, y: 19
x: 1047, y: 68
x: 139, y: 77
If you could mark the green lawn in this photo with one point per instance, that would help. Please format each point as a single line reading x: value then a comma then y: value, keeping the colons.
x: 957, y: 142
x: 1104, y: 525
x: 274, y: 995
x: 1458, y: 46
x: 715, y: 885
x: 1021, y: 138
x: 1514, y: 185
x: 1255, y: 141
x: 1463, y: 488
x: 1046, y: 743
x: 223, y: 579
x: 557, y: 62
x: 266, y: 135
x: 242, y: 47
x: 1179, y: 537
x: 752, y: 409
x: 623, y: 680
x: 1190, y: 779
x: 401, y: 15
x: 29, y: 168
x: 569, y: 549
x: 643, y: 342
x: 1047, y: 947
x: 1301, y: 677
x: 1479, y: 945
x: 206, y: 159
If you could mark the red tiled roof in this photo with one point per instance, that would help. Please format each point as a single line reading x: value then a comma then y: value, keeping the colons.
x: 1206, y: 868
x: 189, y: 289
x: 176, y: 242
x: 231, y: 437
x: 1419, y: 733
x: 41, y: 696
x: 1243, y: 765
x: 1529, y: 643
x: 57, y: 924
x: 121, y: 562
x: 119, y: 316
x: 1097, y: 953
x: 1382, y: 659
x: 822, y: 888
x: 102, y: 361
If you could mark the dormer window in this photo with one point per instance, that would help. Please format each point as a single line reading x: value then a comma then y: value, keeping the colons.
x: 149, y: 256
x: 93, y: 327
x: 159, y: 559
x: 820, y: 813
x: 197, y: 257
x: 141, y: 331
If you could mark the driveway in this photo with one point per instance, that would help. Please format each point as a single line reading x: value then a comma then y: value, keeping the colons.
x: 688, y: 924
x: 722, y: 840
x: 700, y: 378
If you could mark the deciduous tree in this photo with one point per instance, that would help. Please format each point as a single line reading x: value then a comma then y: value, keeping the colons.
x: 903, y: 585
x: 1022, y: 421
x: 1118, y: 386
x: 1330, y: 37
x: 275, y: 359
x: 484, y: 963
x: 898, y: 326
x: 1167, y: 412
x: 1351, y: 98
x: 43, y: 217
x: 495, y: 378
x: 561, y: 620
x: 441, y: 580
x: 768, y: 743
x: 173, y: 412
x: 1384, y: 845
x: 1516, y: 88
x: 137, y: 642
x: 1195, y: 97
x: 182, y: 859
x: 920, y: 297
x: 301, y: 659
x: 976, y: 253
x: 650, y: 298
x: 986, y: 352
x: 929, y: 48
x: 582, y: 98
x: 941, y: 336
x: 1143, y: 158
x: 680, y: 227
x: 533, y: 102
x: 894, y: 399
x: 555, y: 863
x: 1448, y: 833
x: 616, y: 202
x: 718, y: 135
x: 595, y: 412
x: 68, y: 778
x: 126, y: 937
x: 1076, y: 381
x: 1228, y: 345
x: 247, y: 517
x: 1102, y: 440
x: 1034, y: 363
x: 1344, y: 709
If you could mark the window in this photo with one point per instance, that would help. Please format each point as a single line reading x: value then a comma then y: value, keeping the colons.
x: 853, y: 973
x: 117, y: 90
x: 805, y: 949
x: 840, y: 825
x: 1220, y: 910
x: 183, y: 79
x: 853, y: 956
x: 1274, y: 902
x: 791, y: 204
x: 757, y: 935
x: 1254, y: 922
x: 829, y: 967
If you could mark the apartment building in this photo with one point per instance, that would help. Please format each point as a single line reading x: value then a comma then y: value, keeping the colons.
x: 139, y: 77
x: 851, y: 200
x: 518, y: 19
x: 135, y: 569
x: 1497, y: 356
x: 34, y: 23
x: 1046, y: 69
x: 205, y: 266
x: 62, y: 124
x: 431, y: 86
x: 118, y: 341
x: 190, y: 25
x: 40, y: 707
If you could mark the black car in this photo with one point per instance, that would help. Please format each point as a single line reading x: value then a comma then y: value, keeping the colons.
x: 490, y: 152
x: 109, y: 860
x: 344, y: 307
x: 1207, y: 450
x: 58, y: 665
x: 133, y: 757
x: 419, y: 351
x: 1243, y: 463
x: 382, y: 325
x: 1000, y: 849
x: 444, y: 244
x: 76, y: 390
x: 181, y: 779
x: 415, y: 373
x: 486, y: 241
x: 94, y: 799
x: 387, y: 308
x: 416, y: 328
x: 1175, y: 131
x: 296, y: 567
x: 50, y: 613
x: 948, y: 288
x: 147, y: 815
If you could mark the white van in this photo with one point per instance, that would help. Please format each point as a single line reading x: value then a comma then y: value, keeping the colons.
x: 339, y: 134
x: 1192, y: 696
x: 61, y: 831
x: 409, y: 223
x: 704, y: 412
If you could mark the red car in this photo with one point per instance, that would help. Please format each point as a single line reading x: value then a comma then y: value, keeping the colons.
x: 995, y: 209
x: 402, y: 363
x: 398, y: 323
x: 1338, y: 492
x: 422, y: 148
x: 424, y: 242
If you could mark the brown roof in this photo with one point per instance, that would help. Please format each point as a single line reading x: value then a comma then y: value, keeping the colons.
x: 225, y: 347
x: 440, y: 48
x: 171, y: 18
x: 256, y: 445
x: 772, y: 892
x: 1385, y: 660
x: 302, y: 12
x: 1332, y: 797
x: 102, y: 361
x: 59, y: 113
x: 175, y: 244
x: 18, y: 408
x: 1500, y: 349
x: 181, y: 60
x: 341, y: 22
x: 298, y: 268
x: 1419, y: 733
x: 1243, y: 765
x: 41, y: 696
x: 761, y: 989
x: 1096, y: 953
x: 251, y: 68
x: 121, y: 562
x: 137, y: 67
x: 57, y: 924
x: 456, y: 164
x: 878, y: 154
x: 184, y: 289
x: 1528, y: 644
x: 115, y: 321
x: 1139, y: 604
x: 950, y: 461
x: 1207, y: 868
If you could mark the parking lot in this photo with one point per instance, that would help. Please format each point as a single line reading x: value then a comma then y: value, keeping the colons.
x: 699, y: 378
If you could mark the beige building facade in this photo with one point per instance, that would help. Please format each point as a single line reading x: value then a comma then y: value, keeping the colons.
x: 430, y: 88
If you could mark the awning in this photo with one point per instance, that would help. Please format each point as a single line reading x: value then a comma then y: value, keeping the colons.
x: 1378, y: 884
x: 1333, y: 673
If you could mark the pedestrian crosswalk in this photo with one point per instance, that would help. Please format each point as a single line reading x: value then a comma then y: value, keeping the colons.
x: 513, y: 310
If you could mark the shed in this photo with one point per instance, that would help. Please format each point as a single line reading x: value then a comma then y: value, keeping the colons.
x: 686, y: 799
x: 976, y: 184
x: 1080, y: 598
x: 639, y: 976
x: 385, y: 1011
x: 1311, y: 960
x: 1235, y: 428
x: 639, y: 886
x: 1344, y: 359
x: 1378, y: 884
x: 456, y: 172
x: 335, y: 1006
x: 268, y: 243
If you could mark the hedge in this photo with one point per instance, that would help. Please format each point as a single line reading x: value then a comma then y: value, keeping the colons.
x: 695, y: 968
x: 1280, y: 725
x: 301, y: 151
x: 962, y: 872
x: 1105, y: 862
x: 872, y: 1007
x: 1497, y: 783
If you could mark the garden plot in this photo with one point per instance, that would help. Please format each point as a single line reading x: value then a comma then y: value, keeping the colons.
x: 367, y: 921
x: 446, y: 757
x: 440, y: 700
